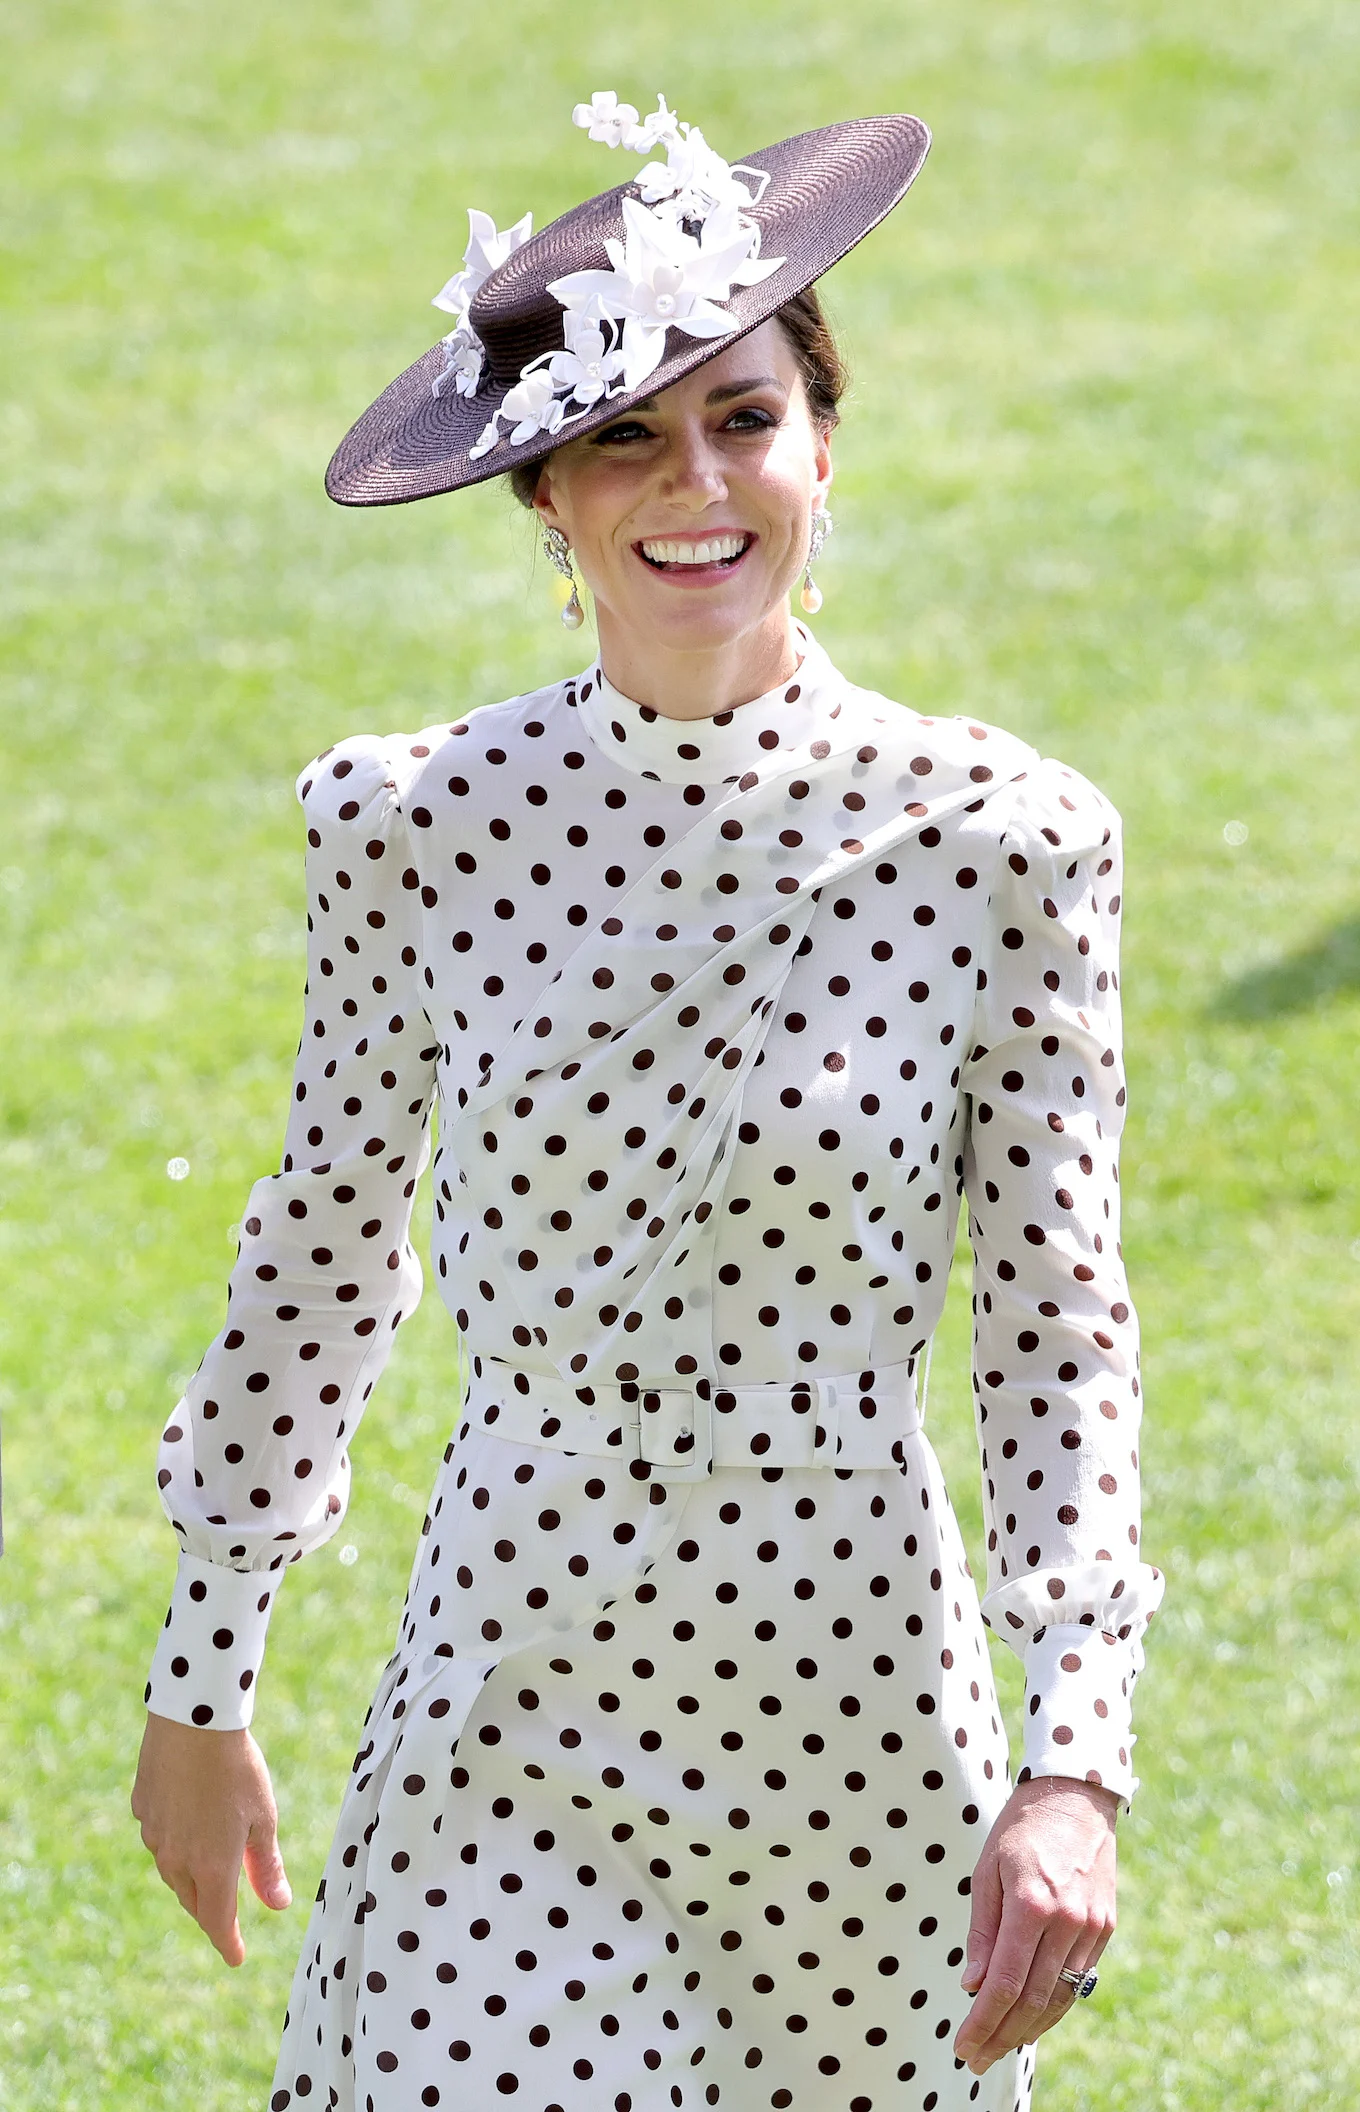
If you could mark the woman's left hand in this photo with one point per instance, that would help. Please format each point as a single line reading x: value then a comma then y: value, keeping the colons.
x: 1043, y: 1897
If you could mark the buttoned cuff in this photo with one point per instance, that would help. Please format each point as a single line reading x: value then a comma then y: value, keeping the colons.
x: 1079, y: 1685
x: 211, y: 1648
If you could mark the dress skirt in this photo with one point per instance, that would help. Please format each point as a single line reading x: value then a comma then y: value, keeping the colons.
x: 670, y: 1796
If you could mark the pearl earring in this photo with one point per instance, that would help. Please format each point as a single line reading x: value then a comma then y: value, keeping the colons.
x: 559, y: 554
x: 811, y: 596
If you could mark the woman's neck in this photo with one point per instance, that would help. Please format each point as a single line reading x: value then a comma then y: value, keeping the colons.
x: 702, y: 682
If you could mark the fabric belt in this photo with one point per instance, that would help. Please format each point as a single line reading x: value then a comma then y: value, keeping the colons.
x: 861, y: 1419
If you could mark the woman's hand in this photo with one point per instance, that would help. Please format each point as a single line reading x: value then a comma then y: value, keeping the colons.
x: 205, y: 1805
x: 1043, y: 1897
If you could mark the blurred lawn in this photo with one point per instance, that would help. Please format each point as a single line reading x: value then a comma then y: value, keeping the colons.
x: 1097, y: 483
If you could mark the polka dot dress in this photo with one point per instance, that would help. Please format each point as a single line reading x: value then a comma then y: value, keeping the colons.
x: 673, y: 1787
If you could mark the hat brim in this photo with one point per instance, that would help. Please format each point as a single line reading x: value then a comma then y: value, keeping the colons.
x: 827, y: 189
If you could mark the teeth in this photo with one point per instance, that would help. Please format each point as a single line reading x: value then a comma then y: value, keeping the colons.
x: 721, y: 546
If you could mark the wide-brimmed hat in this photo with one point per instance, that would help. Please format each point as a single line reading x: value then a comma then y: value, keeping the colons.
x: 558, y: 332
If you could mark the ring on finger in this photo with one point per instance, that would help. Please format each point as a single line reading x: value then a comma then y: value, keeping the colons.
x: 1082, y: 1981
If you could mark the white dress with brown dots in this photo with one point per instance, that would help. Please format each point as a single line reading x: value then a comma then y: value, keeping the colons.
x: 672, y: 1791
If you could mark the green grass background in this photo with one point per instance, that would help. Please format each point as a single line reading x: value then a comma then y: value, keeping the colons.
x: 1097, y: 482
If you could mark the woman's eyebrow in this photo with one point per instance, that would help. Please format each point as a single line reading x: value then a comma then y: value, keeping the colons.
x: 742, y: 388
x: 725, y: 394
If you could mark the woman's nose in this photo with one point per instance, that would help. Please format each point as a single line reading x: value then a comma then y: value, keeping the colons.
x: 693, y: 470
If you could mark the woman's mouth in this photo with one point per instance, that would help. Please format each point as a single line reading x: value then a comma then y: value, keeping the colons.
x: 694, y: 560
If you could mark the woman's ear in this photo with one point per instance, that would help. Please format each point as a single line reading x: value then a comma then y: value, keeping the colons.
x: 545, y: 500
x: 824, y: 469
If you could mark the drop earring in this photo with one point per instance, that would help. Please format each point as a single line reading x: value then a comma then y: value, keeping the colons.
x: 559, y: 554
x: 811, y: 596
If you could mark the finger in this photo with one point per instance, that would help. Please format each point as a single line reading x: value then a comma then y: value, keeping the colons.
x: 1008, y: 1971
x: 1043, y: 2002
x: 1043, y: 1989
x: 1016, y: 2034
x: 986, y: 1921
x: 183, y: 1887
x: 1087, y: 1948
x: 264, y: 1866
x: 217, y: 1917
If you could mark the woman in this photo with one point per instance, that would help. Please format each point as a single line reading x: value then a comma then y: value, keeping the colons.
x: 686, y: 1782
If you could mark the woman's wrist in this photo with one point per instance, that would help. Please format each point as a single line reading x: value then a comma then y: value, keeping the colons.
x: 1035, y: 1786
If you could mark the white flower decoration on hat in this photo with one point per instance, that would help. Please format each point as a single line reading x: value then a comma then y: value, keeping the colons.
x: 487, y: 250
x: 533, y: 405
x: 608, y: 120
x: 664, y: 275
x: 663, y: 278
x: 660, y: 127
x: 488, y: 247
x: 693, y: 180
x: 587, y: 366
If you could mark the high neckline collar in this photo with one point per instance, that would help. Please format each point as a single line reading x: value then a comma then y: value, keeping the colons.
x: 717, y: 750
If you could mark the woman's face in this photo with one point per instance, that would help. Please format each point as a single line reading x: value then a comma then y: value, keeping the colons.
x: 688, y: 516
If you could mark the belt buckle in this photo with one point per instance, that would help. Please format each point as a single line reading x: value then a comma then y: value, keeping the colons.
x: 827, y: 1410
x: 695, y: 1430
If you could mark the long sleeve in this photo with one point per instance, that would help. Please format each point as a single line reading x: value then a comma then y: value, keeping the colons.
x: 1055, y: 1374
x: 253, y: 1465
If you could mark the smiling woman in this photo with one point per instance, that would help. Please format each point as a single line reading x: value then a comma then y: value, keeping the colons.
x: 685, y: 1784
x: 689, y: 516
x: 714, y: 485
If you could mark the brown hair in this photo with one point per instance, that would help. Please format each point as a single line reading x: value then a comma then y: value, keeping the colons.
x: 825, y: 377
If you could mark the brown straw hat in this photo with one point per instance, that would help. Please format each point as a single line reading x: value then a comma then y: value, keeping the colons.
x: 721, y: 246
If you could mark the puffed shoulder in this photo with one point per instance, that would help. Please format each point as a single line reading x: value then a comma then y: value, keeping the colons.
x: 364, y: 776
x: 1059, y: 812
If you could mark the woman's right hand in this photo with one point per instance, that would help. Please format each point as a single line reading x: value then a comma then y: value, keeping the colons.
x: 206, y: 1806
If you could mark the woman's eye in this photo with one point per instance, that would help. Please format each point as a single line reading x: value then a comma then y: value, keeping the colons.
x: 749, y: 419
x: 624, y: 430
